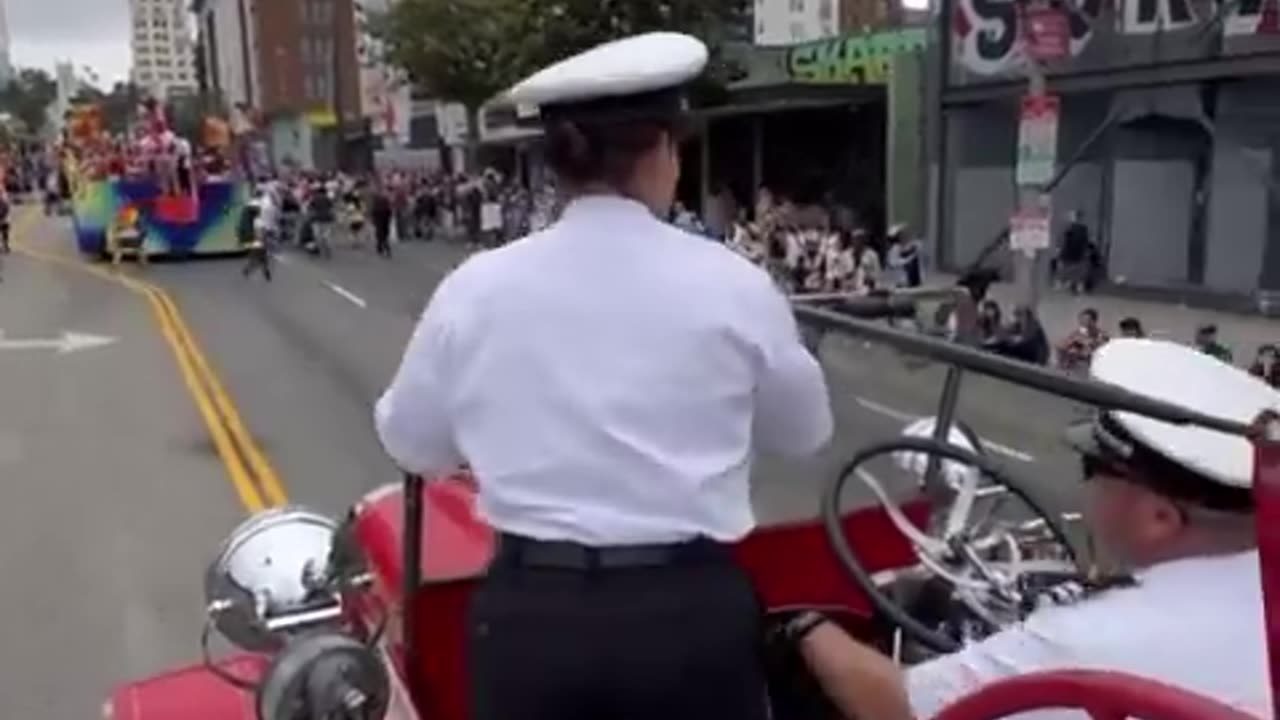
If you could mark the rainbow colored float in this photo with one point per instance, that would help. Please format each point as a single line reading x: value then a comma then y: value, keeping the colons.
x: 179, y: 226
x: 108, y: 175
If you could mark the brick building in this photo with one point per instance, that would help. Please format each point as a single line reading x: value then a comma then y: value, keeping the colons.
x: 293, y: 63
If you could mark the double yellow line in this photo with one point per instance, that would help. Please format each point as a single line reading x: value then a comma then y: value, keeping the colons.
x: 251, y: 474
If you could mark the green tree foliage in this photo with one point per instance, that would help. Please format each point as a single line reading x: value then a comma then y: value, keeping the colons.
x: 469, y: 50
x: 461, y: 50
x: 27, y: 97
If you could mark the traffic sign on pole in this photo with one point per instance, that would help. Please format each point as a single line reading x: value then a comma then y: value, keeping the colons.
x: 1037, y: 140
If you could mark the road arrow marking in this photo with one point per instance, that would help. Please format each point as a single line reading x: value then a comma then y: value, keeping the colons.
x: 69, y: 342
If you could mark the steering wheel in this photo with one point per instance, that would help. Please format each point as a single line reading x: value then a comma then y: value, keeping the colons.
x: 957, y: 558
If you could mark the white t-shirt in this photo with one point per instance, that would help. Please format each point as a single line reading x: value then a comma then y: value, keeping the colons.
x: 1195, y: 624
x: 607, y: 380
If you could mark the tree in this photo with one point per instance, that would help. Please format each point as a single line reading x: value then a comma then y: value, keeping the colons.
x: 465, y: 51
x: 469, y: 50
x: 28, y: 96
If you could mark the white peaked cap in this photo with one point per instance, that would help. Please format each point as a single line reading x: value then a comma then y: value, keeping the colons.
x: 1182, y: 375
x: 630, y: 66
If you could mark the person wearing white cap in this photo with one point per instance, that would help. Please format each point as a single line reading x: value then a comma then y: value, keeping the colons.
x: 1175, y: 503
x: 608, y: 380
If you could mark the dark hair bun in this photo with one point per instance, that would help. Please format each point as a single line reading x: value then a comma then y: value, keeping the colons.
x: 582, y: 151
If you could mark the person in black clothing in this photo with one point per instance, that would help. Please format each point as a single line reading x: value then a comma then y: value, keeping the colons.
x: 4, y: 223
x: 321, y: 216
x: 380, y: 213
x: 1075, y: 256
x: 1025, y: 338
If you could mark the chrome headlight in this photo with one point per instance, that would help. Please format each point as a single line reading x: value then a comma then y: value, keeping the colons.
x: 270, y: 578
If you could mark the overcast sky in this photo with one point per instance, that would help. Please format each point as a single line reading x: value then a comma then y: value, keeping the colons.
x: 85, y: 32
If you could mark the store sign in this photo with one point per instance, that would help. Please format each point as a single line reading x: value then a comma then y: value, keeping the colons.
x: 853, y: 59
x: 992, y: 37
x: 1037, y: 140
x: 1029, y: 230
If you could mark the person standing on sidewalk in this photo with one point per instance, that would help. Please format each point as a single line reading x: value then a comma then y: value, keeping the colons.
x: 1074, y: 255
x: 4, y: 221
x: 380, y: 215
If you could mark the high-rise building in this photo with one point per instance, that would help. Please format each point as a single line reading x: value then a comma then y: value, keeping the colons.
x: 163, y: 47
x: 6, y: 64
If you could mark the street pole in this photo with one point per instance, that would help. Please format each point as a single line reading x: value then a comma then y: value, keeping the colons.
x: 1029, y: 199
x: 1031, y: 195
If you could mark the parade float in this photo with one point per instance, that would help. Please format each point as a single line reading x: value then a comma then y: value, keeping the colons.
x: 182, y: 203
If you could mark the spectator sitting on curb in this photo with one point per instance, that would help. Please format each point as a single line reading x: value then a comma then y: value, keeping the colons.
x: 1131, y: 327
x: 1266, y: 365
x: 1207, y: 343
x: 1075, y: 352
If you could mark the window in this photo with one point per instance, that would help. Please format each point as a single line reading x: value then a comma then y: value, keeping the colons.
x: 162, y: 62
x: 166, y: 76
x: 144, y: 77
x: 797, y: 6
x: 160, y: 37
x: 824, y: 10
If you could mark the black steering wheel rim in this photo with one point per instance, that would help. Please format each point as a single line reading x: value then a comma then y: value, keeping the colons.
x: 833, y: 521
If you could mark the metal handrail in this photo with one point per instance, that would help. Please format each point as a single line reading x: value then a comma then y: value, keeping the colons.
x: 1092, y: 392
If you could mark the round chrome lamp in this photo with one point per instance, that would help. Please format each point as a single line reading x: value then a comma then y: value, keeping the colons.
x: 276, y: 586
x: 270, y: 579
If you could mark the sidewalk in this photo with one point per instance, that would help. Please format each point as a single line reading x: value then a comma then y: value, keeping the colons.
x: 1058, y: 310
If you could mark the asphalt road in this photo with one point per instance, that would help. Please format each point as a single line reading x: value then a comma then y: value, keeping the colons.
x: 306, y: 355
x: 116, y: 497
x: 112, y: 497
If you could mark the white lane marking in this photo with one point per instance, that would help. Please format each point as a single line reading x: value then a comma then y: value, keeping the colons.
x: 282, y: 258
x: 903, y: 416
x: 887, y: 411
x: 347, y: 294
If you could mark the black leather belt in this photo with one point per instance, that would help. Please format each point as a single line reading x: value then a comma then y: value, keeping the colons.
x: 558, y: 555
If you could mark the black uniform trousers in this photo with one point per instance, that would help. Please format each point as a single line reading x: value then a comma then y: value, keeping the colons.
x: 552, y: 638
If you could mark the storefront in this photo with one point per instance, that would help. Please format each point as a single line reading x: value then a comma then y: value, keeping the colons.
x: 833, y: 122
x: 1170, y: 126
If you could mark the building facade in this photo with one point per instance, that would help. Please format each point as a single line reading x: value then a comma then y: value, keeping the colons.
x: 228, y: 37
x: 1170, y: 116
x: 292, y: 64
x: 163, y: 47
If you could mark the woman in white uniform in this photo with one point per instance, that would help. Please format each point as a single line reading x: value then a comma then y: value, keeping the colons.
x: 608, y: 380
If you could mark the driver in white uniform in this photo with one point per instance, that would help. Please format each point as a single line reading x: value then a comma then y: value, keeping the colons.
x: 1173, y: 502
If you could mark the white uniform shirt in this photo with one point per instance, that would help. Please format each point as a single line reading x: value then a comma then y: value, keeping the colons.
x: 606, y: 379
x: 1195, y: 624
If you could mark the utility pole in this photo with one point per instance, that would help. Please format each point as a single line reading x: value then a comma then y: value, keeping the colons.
x: 1044, y: 34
